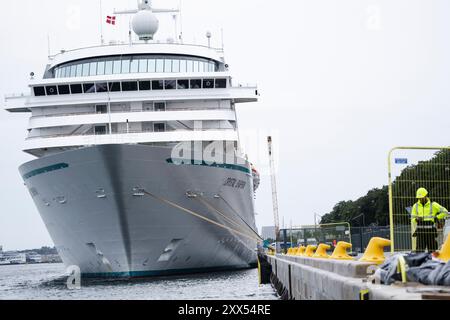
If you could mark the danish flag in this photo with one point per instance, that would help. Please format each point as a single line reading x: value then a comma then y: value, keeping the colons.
x: 111, y: 20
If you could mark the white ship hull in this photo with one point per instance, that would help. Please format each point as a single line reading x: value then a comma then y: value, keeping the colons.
x: 100, y: 221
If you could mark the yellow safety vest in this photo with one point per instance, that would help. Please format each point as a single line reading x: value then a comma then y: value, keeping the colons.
x: 428, y: 212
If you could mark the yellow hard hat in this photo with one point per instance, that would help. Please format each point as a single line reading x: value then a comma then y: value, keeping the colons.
x: 422, y: 193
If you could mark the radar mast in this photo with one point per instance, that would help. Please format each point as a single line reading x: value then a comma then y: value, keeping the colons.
x: 145, y: 24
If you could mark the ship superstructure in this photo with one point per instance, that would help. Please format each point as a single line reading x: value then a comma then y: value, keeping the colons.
x: 121, y: 179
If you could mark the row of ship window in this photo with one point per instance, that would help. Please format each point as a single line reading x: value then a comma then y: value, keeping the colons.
x: 146, y: 85
x: 127, y: 65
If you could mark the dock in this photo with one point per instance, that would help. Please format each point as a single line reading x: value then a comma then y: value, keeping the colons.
x: 309, y: 273
x: 303, y: 278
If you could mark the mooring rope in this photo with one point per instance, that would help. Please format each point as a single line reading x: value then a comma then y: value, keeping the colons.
x: 199, y: 215
x: 211, y: 207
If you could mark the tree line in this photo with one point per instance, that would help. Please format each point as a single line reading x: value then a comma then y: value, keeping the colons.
x: 373, y: 208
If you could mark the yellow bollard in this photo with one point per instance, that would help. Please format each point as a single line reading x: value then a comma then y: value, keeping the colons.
x: 301, y: 251
x: 444, y: 253
x: 321, y: 251
x: 374, y: 251
x: 309, y: 251
x: 340, y: 252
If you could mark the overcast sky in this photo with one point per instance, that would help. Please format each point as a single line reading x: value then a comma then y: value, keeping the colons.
x: 341, y: 82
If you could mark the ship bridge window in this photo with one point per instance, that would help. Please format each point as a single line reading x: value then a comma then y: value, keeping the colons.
x: 93, y: 68
x: 135, y: 64
x: 79, y: 70
x: 160, y: 65
x: 101, y: 68
x: 221, y: 83
x: 129, y: 86
x: 183, y: 84
x: 39, y: 91
x: 101, y: 87
x: 167, y: 66
x: 151, y: 65
x: 108, y: 67
x: 73, y: 71
x: 126, y: 66
x: 190, y: 66
x: 51, y: 90
x: 196, y: 84
x: 85, y: 69
x: 170, y: 84
x: 176, y: 66
x: 157, y: 84
x: 114, y: 86
x: 183, y: 66
x: 143, y: 66
x: 89, y: 88
x: 144, y: 85
x: 64, y: 89
x: 117, y: 66
x: 208, y: 83
x: 76, y: 88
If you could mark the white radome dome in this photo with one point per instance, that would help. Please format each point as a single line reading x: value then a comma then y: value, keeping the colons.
x: 145, y: 24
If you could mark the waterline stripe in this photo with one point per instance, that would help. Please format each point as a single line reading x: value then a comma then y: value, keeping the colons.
x: 48, y: 169
x: 169, y: 272
x: 214, y: 165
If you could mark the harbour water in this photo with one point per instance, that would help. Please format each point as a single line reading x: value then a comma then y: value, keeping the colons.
x: 48, y: 281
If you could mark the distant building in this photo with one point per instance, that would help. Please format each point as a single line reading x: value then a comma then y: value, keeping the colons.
x: 268, y: 233
x: 51, y: 258
x: 13, y: 258
x: 1, y: 250
x: 33, y: 257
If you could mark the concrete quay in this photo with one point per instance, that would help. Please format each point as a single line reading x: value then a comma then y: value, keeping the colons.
x: 325, y: 279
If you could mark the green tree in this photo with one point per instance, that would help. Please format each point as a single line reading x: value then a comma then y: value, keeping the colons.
x: 433, y: 174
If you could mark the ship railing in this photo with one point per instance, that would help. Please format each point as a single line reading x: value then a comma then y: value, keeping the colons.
x: 127, y: 44
x: 16, y: 95
x: 123, y: 132
x: 123, y: 111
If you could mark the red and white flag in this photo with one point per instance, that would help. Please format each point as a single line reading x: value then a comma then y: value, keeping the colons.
x: 111, y: 20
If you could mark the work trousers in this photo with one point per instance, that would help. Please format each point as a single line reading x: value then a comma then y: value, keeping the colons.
x: 426, y: 239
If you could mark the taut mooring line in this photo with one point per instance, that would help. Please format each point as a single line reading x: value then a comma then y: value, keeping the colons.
x: 199, y: 215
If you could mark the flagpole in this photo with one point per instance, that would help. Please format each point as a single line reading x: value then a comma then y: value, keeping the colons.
x: 101, y: 23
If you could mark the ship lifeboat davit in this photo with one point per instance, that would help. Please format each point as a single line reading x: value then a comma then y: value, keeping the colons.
x: 256, y: 178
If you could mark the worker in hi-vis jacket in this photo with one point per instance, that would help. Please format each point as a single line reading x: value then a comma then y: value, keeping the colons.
x: 427, y: 216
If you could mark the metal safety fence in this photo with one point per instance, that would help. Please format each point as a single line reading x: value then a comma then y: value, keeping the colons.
x: 412, y: 168
x: 361, y: 236
x: 314, y: 235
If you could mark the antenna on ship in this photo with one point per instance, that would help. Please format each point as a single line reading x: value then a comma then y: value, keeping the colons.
x: 102, y: 39
x: 181, y: 22
x: 144, y: 22
x: 48, y: 46
x: 208, y: 36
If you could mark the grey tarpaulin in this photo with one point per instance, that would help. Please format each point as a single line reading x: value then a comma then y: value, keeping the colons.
x: 421, y: 268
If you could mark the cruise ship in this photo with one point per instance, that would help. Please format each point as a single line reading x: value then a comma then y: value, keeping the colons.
x: 138, y: 168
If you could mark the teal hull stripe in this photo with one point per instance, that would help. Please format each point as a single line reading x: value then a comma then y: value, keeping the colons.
x: 48, y: 169
x: 159, y: 273
x: 213, y: 165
